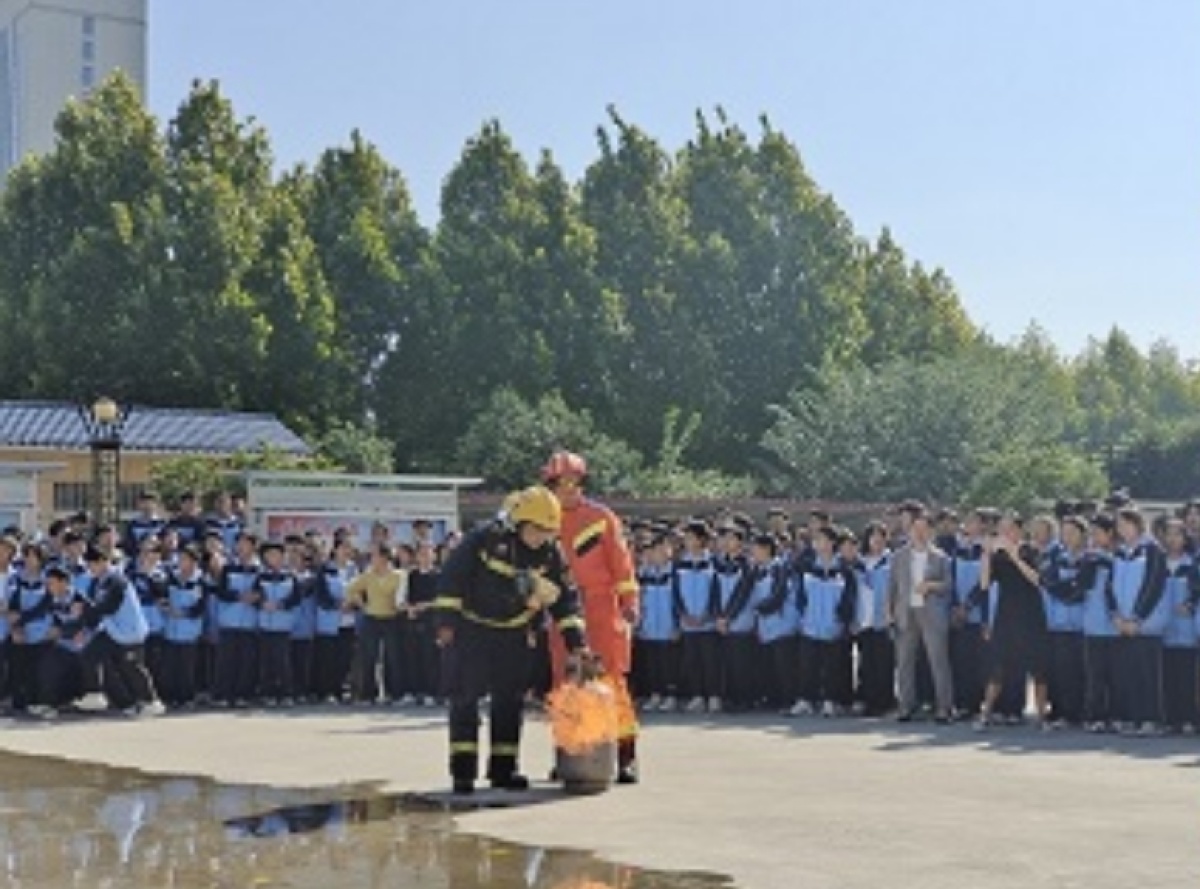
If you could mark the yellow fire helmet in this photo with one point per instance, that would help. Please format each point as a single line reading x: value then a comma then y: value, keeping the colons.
x: 537, y: 505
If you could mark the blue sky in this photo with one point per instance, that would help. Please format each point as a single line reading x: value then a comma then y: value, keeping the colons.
x: 1043, y: 152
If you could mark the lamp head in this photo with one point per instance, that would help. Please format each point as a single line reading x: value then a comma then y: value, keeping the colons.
x: 105, y: 411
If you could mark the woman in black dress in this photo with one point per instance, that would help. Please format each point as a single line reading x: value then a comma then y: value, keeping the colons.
x: 1017, y: 632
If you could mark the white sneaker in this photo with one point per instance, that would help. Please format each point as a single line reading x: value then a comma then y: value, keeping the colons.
x: 802, y: 708
x: 714, y: 705
x: 154, y: 708
x: 669, y: 705
x: 654, y: 703
x: 1149, y: 730
x: 859, y: 708
x: 829, y: 710
x: 695, y: 705
x: 406, y: 701
x: 1188, y: 729
x: 42, y: 711
x: 1096, y: 728
x: 94, y: 702
x: 983, y: 722
x: 429, y: 701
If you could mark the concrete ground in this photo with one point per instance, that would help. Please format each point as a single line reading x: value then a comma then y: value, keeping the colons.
x: 767, y: 801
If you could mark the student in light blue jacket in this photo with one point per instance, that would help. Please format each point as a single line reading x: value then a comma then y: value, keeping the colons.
x: 657, y: 638
x: 1179, y: 638
x: 1140, y: 613
x: 279, y: 593
x: 778, y: 621
x: 875, y: 693
x: 826, y: 597
x: 116, y: 647
x: 1063, y: 599
x: 186, y: 602
x: 695, y: 597
x: 1099, y: 632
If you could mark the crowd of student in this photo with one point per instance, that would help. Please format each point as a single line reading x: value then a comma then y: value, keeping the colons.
x: 1093, y: 605
x: 1096, y: 606
x: 197, y: 610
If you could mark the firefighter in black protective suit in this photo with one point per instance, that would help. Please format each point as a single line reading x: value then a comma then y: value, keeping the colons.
x: 494, y: 588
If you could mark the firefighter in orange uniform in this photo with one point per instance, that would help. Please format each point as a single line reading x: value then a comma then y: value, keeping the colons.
x: 601, y: 567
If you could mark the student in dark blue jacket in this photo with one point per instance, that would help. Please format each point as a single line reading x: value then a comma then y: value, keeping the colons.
x: 695, y: 601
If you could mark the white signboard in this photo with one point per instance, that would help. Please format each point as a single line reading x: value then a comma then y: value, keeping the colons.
x: 283, y: 503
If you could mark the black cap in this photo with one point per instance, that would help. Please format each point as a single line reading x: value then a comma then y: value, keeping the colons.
x: 1118, y: 499
x: 94, y: 554
x: 57, y: 572
x: 1104, y: 522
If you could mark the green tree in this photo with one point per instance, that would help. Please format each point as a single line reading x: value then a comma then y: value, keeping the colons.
x: 82, y: 250
x: 908, y: 428
x: 372, y: 248
x: 356, y: 449
x: 509, y: 439
x: 1024, y: 478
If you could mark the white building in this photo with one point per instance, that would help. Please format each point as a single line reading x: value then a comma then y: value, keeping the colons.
x: 53, y: 50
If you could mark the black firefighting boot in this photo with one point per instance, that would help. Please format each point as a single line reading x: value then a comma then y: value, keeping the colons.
x: 627, y: 769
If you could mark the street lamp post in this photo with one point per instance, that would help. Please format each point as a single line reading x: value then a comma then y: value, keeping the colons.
x: 105, y: 421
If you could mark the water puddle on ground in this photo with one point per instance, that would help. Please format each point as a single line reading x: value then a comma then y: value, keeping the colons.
x: 66, y: 824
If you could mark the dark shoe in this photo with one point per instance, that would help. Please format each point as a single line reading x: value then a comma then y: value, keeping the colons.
x: 628, y: 774
x: 463, y: 787
x: 553, y: 778
x: 510, y: 782
x: 904, y: 716
x: 942, y: 718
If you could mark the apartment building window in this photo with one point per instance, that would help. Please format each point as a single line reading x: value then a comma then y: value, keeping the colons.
x: 89, y: 76
x: 89, y: 51
x: 89, y: 26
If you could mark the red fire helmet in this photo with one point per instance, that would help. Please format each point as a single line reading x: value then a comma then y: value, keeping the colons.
x: 564, y: 464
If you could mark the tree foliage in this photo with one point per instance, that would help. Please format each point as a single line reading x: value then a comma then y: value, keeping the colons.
x: 709, y: 306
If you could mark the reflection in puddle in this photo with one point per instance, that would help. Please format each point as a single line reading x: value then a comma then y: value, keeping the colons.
x: 65, y: 824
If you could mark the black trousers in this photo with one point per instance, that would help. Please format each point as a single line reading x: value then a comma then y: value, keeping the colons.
x: 1067, y: 683
x: 966, y: 665
x: 419, y: 658
x: 302, y: 668
x: 118, y: 669
x: 60, y: 676
x: 824, y: 671
x: 876, y: 671
x: 179, y: 665
x: 1139, y: 679
x: 25, y: 660
x: 783, y: 656
x: 5, y: 685
x: 1179, y: 687
x: 495, y: 663
x: 739, y: 661
x: 237, y: 665
x: 154, y: 646
x: 701, y: 667
x: 654, y: 663
x: 206, y: 666
x: 274, y: 664
x: 1099, y: 658
x: 332, y: 663
x: 379, y: 644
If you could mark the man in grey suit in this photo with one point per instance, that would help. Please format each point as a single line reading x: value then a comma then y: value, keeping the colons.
x: 918, y: 602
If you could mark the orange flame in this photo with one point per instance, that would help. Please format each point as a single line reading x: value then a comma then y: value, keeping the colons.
x: 583, y: 716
